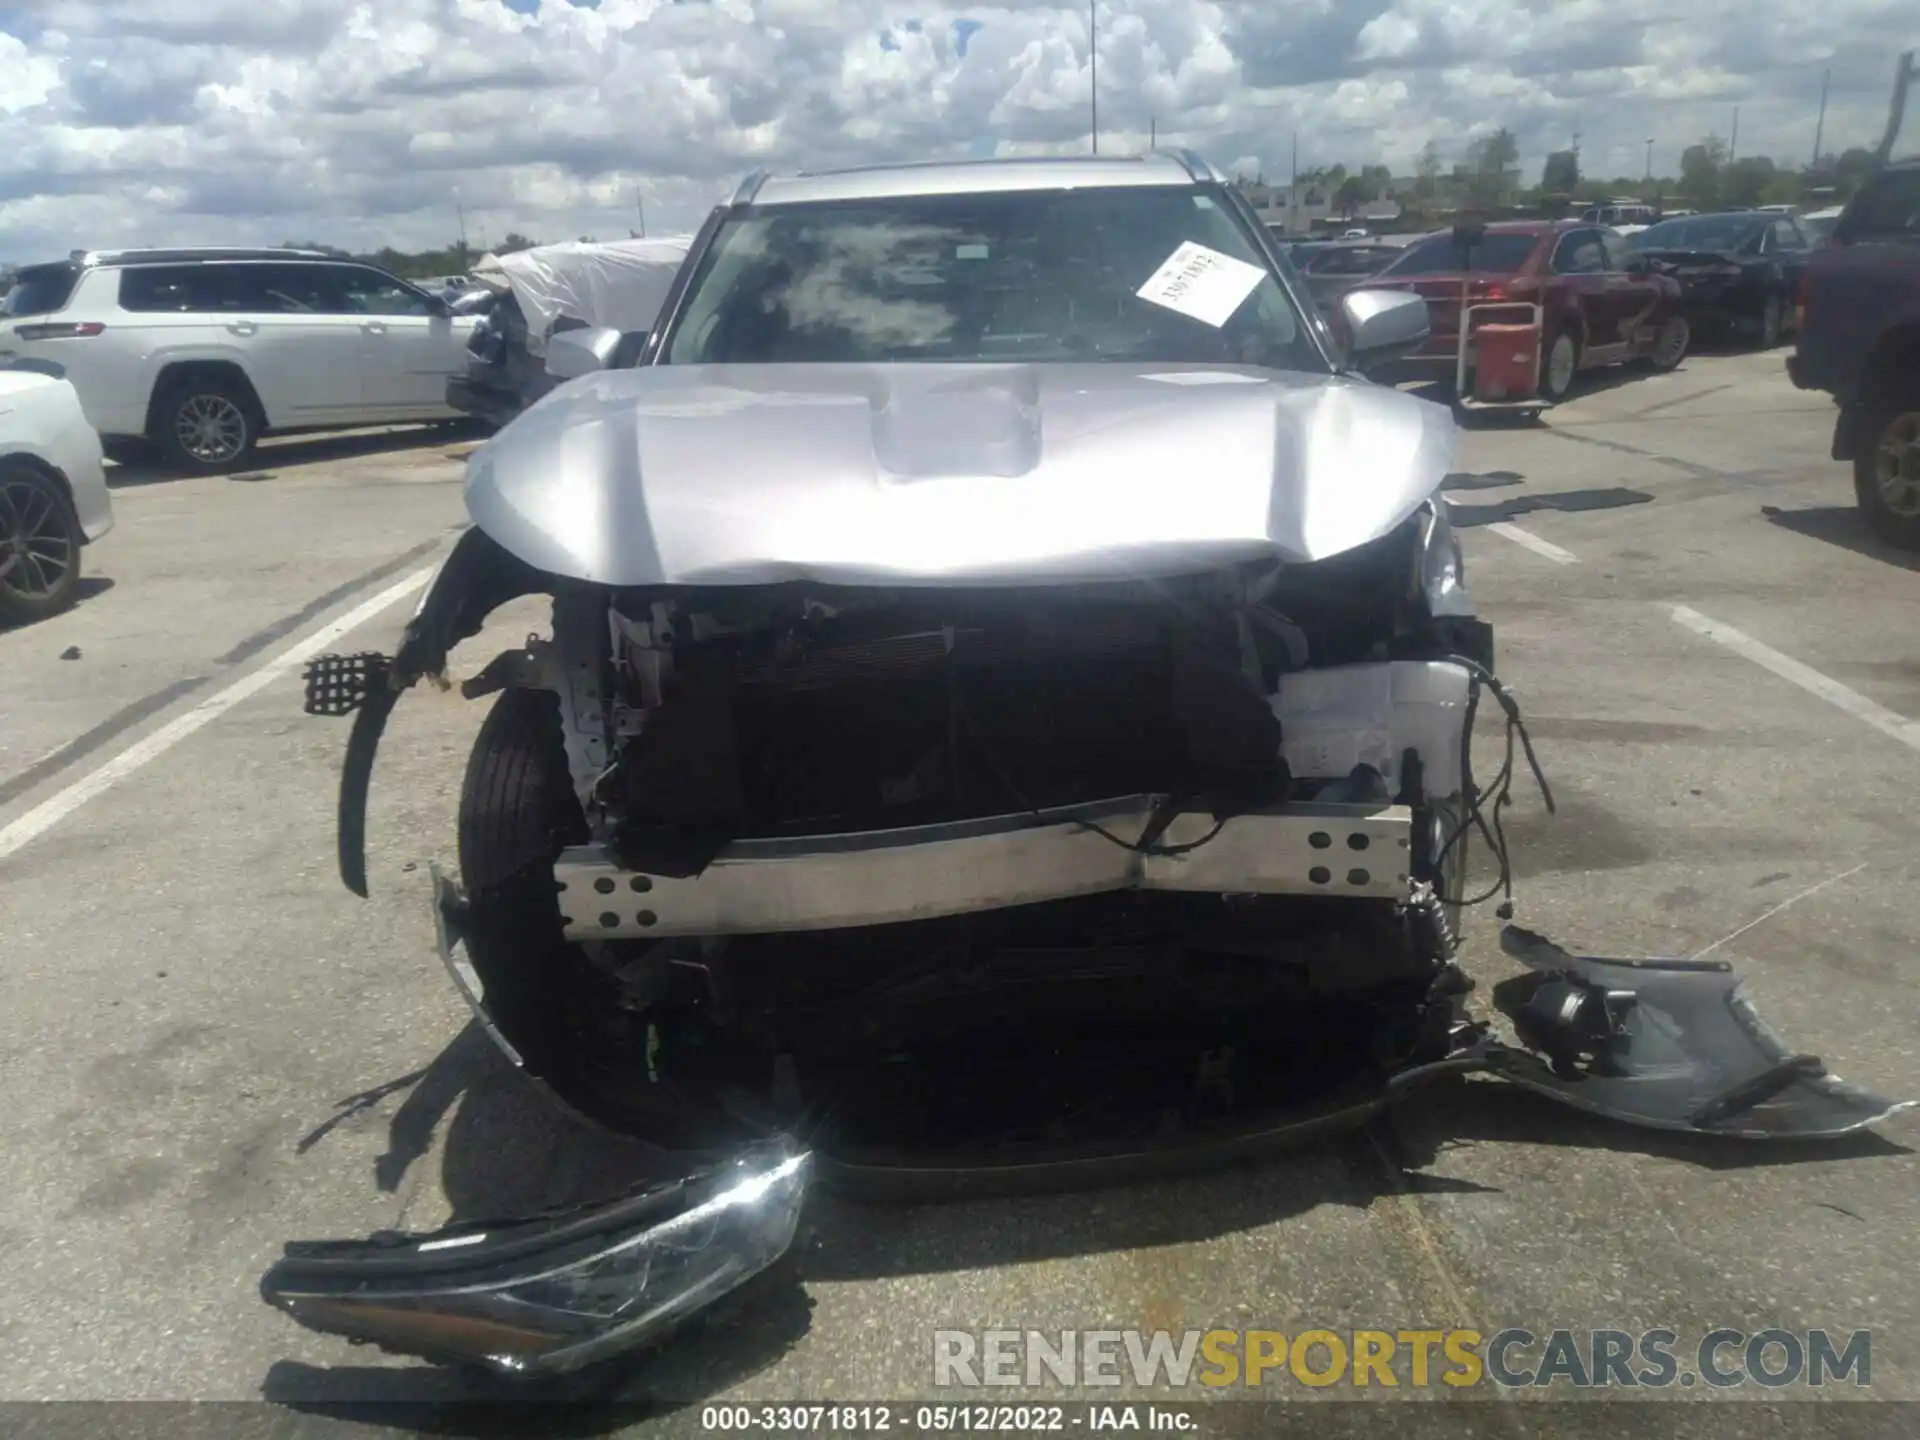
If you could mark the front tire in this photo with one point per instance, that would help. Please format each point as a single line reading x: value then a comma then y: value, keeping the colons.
x: 207, y: 427
x: 1670, y: 345
x: 40, y: 540
x: 1886, y: 472
x: 1558, y: 367
x: 552, y: 1003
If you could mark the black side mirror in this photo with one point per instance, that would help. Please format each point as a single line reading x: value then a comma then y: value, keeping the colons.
x: 1468, y: 231
x: 437, y: 305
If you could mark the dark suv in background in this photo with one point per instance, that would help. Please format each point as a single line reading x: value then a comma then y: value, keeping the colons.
x: 1859, y: 342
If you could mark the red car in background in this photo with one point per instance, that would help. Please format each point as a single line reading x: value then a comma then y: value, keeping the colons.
x: 1598, y: 305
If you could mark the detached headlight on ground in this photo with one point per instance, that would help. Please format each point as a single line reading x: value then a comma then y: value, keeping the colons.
x: 550, y: 1296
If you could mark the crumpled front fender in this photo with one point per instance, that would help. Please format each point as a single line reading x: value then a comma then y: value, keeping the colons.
x: 475, y: 579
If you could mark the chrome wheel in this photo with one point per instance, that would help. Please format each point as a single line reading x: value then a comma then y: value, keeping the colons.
x: 1560, y: 367
x: 211, y: 428
x: 37, y: 538
x: 1896, y: 465
x: 1670, y: 345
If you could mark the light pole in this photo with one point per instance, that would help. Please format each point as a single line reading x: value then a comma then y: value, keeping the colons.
x: 1093, y: 68
x: 1820, y: 125
x: 1649, y: 160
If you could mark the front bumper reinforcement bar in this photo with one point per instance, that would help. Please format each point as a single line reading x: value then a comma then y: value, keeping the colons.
x: 881, y: 877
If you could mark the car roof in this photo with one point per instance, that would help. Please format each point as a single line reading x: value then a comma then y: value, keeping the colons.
x: 193, y: 255
x: 975, y: 177
x: 1526, y: 227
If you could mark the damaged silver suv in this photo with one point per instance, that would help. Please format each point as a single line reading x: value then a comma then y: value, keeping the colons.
x: 1006, y: 720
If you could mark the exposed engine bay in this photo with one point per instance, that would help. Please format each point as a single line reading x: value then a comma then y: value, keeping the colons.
x: 792, y: 819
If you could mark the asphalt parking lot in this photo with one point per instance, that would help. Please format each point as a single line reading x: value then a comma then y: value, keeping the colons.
x: 208, y: 1047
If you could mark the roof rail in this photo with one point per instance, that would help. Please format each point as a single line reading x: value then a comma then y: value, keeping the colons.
x: 189, y: 253
x: 749, y: 187
x: 1199, y: 169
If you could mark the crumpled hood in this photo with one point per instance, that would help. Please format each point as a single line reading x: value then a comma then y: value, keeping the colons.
x: 950, y: 474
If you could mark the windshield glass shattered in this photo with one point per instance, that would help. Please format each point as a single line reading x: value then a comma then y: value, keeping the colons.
x: 1032, y: 276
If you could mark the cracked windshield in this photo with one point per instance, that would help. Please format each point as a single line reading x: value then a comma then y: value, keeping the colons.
x: 747, y: 716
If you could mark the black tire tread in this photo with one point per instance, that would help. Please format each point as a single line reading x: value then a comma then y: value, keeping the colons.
x: 1900, y: 531
x: 512, y: 806
x: 517, y: 812
x: 19, y: 609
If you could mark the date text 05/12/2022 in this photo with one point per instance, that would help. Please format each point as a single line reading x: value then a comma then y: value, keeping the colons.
x: 1453, y: 1359
x: 927, y: 1419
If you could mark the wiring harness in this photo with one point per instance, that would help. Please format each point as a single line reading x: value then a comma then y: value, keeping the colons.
x: 1484, y: 806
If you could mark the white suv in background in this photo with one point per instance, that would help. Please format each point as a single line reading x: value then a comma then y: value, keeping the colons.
x: 200, y: 352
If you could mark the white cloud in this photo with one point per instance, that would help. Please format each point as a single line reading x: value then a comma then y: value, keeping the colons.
x: 355, y: 121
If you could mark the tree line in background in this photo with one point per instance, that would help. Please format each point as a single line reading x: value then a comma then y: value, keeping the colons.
x: 1710, y: 178
x: 1488, y: 179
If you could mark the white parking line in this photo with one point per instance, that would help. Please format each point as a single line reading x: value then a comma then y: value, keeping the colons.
x: 1869, y: 712
x: 1526, y: 539
x: 51, y: 811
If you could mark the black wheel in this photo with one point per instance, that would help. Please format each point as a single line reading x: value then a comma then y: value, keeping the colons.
x: 564, y: 1014
x: 1886, y: 472
x: 207, y: 427
x: 1559, y: 364
x: 1670, y: 345
x: 40, y: 542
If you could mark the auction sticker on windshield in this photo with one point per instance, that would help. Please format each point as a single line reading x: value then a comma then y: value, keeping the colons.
x: 1202, y: 283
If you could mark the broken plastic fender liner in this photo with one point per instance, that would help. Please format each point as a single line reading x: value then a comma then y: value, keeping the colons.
x: 1669, y: 1044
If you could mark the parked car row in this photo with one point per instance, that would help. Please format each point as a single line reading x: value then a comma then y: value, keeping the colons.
x: 1594, y: 306
x: 1596, y: 296
x: 198, y: 353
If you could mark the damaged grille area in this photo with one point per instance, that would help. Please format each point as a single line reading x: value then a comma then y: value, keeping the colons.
x: 914, y: 714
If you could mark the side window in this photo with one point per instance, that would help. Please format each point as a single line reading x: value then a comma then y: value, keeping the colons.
x: 282, y: 289
x: 1786, y: 236
x: 1888, y: 209
x: 368, y: 292
x: 1579, y: 253
x: 174, y: 289
x: 1613, y: 250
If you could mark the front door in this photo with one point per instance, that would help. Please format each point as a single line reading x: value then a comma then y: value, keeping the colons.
x: 1786, y: 245
x: 304, y: 361
x: 408, y: 352
x: 1635, y: 298
x: 1580, y: 262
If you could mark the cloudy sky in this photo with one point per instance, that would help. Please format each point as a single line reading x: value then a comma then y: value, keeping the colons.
x: 364, y: 122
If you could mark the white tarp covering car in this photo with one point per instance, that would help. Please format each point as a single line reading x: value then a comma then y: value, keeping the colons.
x: 618, y: 284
